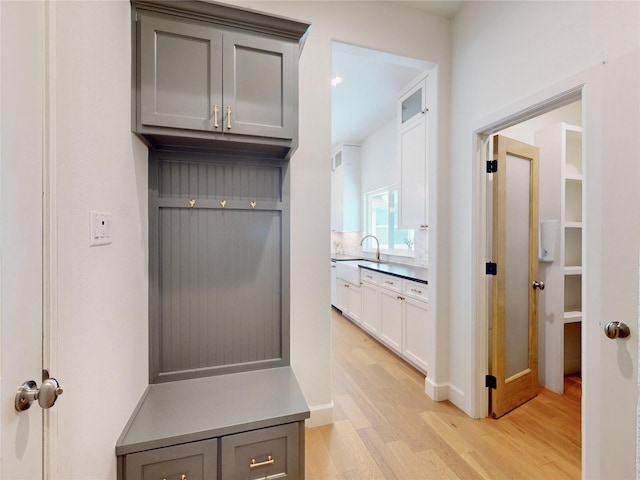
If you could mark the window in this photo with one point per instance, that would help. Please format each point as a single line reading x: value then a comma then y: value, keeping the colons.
x: 381, y: 220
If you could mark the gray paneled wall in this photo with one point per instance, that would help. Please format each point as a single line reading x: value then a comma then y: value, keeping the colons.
x: 219, y: 264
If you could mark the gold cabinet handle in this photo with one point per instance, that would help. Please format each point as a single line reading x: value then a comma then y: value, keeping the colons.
x: 254, y: 464
x: 415, y: 290
x: 216, y: 110
x: 229, y: 118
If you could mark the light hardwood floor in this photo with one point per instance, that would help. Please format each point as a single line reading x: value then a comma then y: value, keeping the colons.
x: 385, y: 427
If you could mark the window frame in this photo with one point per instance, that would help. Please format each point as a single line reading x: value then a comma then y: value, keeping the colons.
x: 369, y: 245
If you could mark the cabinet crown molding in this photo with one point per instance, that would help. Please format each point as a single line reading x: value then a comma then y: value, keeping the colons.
x: 229, y: 16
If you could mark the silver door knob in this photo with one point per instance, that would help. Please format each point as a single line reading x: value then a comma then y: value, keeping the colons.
x: 615, y: 330
x: 29, y: 392
x: 537, y: 284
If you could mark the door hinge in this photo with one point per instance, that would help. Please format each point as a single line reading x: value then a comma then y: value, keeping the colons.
x: 490, y: 382
x: 492, y: 268
x: 492, y: 166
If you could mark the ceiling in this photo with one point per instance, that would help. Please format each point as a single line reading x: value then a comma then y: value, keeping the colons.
x: 443, y: 8
x: 372, y: 80
x: 367, y: 97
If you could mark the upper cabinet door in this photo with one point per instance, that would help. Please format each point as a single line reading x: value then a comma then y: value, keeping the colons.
x: 412, y: 104
x: 259, y: 86
x: 180, y: 73
x: 413, y: 152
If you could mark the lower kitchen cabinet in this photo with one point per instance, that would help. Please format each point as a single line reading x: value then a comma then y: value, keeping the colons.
x: 416, y: 315
x: 396, y: 312
x: 349, y: 299
x: 391, y: 312
x: 371, y: 316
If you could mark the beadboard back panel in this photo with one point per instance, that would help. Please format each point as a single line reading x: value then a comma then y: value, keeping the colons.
x: 216, y: 295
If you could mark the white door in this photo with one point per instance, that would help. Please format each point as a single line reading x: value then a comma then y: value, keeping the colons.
x: 612, y: 241
x: 21, y: 232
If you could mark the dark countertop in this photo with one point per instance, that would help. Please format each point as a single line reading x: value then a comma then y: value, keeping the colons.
x: 190, y: 410
x: 410, y: 272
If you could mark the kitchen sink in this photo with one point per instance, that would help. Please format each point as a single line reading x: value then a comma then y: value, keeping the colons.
x: 349, y: 270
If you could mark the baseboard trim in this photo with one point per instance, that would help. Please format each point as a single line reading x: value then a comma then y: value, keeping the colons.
x: 436, y: 391
x: 320, y: 415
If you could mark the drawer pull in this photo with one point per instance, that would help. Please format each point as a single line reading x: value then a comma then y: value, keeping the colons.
x: 369, y: 276
x: 389, y: 282
x: 415, y: 290
x: 269, y: 461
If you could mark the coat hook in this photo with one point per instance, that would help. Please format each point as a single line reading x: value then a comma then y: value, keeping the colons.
x: 253, y: 204
x: 192, y: 203
x: 223, y: 203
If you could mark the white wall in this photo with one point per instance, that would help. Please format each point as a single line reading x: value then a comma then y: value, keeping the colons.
x: 376, y: 25
x: 102, y: 291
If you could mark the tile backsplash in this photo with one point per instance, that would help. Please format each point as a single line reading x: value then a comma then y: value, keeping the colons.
x: 348, y: 243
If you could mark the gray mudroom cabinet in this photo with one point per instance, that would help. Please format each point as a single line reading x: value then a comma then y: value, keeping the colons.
x: 225, y: 79
x: 215, y: 97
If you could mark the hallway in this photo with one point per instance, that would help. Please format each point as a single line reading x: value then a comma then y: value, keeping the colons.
x: 385, y: 427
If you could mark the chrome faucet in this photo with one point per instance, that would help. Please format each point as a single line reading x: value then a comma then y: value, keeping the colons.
x: 377, y: 247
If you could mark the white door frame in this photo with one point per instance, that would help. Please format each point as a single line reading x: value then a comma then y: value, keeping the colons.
x: 49, y: 240
x: 480, y: 287
x: 587, y: 86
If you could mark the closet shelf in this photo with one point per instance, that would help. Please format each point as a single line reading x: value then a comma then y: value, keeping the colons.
x: 573, y: 270
x: 572, y: 224
x: 572, y: 316
x: 574, y: 177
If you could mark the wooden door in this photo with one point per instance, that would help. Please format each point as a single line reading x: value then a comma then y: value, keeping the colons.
x: 21, y: 147
x: 514, y: 361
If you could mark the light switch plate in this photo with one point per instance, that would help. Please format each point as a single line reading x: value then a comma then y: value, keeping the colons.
x: 100, y: 229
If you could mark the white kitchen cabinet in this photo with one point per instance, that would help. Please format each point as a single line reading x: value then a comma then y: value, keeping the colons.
x: 416, y: 319
x: 349, y: 300
x: 392, y: 309
x: 345, y: 189
x: 371, y: 315
x: 404, y: 311
x: 334, y: 291
x: 413, y: 150
x: 354, y: 303
x: 391, y: 312
x: 341, y: 294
